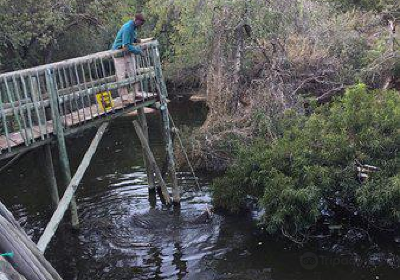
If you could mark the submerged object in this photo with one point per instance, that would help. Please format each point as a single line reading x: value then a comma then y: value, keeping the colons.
x: 156, y: 219
x: 205, y: 217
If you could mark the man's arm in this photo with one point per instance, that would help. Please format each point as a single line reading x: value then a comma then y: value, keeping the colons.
x: 133, y: 49
x: 126, y: 43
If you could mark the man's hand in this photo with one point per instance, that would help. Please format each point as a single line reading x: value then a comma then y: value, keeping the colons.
x: 125, y: 51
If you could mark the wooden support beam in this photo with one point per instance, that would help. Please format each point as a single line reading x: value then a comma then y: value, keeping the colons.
x: 152, y: 161
x: 148, y: 165
x: 52, y: 226
x: 12, y: 161
x: 162, y: 89
x: 58, y: 130
x: 176, y: 191
x: 51, y: 176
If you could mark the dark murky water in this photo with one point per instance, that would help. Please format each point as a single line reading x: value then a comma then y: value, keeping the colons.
x: 125, y: 235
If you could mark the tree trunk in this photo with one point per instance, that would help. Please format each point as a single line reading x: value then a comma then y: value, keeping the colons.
x: 216, y: 68
x: 391, y: 50
x: 237, y: 61
x: 48, y: 54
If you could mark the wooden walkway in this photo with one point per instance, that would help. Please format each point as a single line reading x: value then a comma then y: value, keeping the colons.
x: 83, y: 115
x: 45, y: 103
x: 79, y: 92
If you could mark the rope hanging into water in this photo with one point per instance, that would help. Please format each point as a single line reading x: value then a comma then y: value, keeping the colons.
x: 185, y: 152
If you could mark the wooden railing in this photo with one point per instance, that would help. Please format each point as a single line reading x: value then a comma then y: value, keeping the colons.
x: 36, y: 103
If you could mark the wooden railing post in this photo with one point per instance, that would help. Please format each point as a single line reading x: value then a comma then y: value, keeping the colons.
x: 162, y: 88
x: 58, y: 130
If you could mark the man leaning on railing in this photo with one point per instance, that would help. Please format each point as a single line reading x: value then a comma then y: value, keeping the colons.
x: 126, y: 39
x: 127, y: 35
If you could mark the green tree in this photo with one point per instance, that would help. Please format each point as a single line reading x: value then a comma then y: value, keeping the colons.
x: 311, y: 167
x: 32, y: 31
x: 384, y: 56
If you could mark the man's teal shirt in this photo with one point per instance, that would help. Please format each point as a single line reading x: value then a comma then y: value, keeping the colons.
x: 126, y: 37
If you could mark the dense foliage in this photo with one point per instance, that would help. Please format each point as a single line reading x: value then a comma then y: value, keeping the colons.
x: 36, y: 32
x: 310, y: 169
x: 379, y: 5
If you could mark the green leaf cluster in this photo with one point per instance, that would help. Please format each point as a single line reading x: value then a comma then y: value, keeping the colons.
x: 367, y: 5
x: 35, y: 32
x: 311, y: 165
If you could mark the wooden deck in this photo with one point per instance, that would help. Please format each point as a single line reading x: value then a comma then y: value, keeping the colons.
x: 71, y: 95
x: 76, y: 118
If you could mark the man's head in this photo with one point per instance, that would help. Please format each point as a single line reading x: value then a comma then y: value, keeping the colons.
x: 139, y: 19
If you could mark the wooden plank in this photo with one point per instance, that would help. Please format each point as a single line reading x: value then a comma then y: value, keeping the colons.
x: 17, y: 94
x: 98, y: 121
x: 11, y: 99
x: 4, y: 142
x: 35, y: 98
x: 28, y: 264
x: 29, y: 108
x: 52, y: 226
x: 4, y: 122
x: 73, y: 130
x: 26, y: 255
x: 17, y: 139
x: 8, y: 272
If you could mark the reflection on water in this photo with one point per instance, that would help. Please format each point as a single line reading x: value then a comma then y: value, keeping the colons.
x: 124, y: 235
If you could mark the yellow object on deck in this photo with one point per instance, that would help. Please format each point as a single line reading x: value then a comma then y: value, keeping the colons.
x: 105, y: 101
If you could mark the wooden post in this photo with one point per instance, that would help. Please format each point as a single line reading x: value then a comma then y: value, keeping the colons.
x: 149, y: 167
x: 162, y: 88
x: 8, y: 272
x: 51, y: 177
x: 70, y: 191
x: 29, y: 261
x: 152, y: 160
x: 176, y: 192
x: 62, y: 148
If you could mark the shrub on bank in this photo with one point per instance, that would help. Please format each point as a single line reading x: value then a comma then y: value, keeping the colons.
x: 310, y: 170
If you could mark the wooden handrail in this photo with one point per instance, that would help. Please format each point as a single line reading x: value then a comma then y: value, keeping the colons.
x: 70, y: 62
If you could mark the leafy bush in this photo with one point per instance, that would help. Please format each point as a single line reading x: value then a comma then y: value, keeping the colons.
x: 310, y: 167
